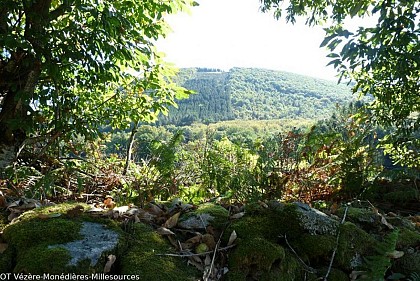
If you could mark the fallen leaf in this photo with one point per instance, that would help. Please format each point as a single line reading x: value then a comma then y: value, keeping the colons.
x: 232, y: 238
x: 172, y: 221
x: 3, y: 203
x: 207, y: 260
x: 153, y: 209
x: 395, y: 254
x: 199, y: 266
x: 95, y: 210
x: 50, y: 216
x: 383, y: 221
x: 195, y: 240
x: 174, y: 242
x: 109, y: 203
x: 13, y: 214
x: 354, y: 275
x: 3, y: 247
x: 164, y: 231
x: 109, y: 263
x: 237, y: 216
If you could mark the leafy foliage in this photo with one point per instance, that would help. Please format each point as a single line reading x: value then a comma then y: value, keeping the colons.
x: 381, y: 59
x: 378, y: 265
x: 68, y: 67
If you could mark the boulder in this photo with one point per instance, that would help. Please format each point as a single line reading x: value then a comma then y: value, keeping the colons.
x: 64, y: 238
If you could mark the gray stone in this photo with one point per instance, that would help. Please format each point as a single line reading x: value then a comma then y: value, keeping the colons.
x: 196, y: 221
x: 96, y: 240
x: 315, y: 221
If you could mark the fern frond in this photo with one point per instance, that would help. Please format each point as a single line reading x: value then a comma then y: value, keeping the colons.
x: 415, y: 276
x: 378, y: 264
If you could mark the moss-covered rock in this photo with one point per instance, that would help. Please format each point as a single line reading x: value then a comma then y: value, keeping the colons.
x: 142, y: 258
x: 407, y: 264
x: 353, y: 245
x: 317, y: 248
x: 38, y: 238
x: 206, y: 214
x: 408, y: 238
x: 254, y: 257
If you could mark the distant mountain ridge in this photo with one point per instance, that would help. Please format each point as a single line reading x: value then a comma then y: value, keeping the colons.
x: 254, y: 94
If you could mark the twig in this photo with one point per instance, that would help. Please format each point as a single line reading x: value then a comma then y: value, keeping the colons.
x: 206, y: 278
x: 201, y: 254
x: 336, y: 245
x: 307, y: 268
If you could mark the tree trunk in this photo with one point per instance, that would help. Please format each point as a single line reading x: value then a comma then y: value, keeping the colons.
x: 130, y: 147
x: 20, y: 71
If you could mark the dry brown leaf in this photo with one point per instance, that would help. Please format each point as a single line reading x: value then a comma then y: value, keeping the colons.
x: 3, y: 247
x: 383, y: 221
x: 232, y: 238
x: 174, y: 242
x: 263, y: 204
x: 354, y: 275
x: 153, y: 209
x: 109, y: 203
x: 237, y: 216
x: 195, y: 240
x: 13, y: 214
x: 207, y: 260
x: 172, y: 221
x: 164, y: 231
x: 3, y: 202
x: 50, y: 216
x: 395, y: 254
x: 186, y: 245
x: 198, y: 265
x: 109, y: 263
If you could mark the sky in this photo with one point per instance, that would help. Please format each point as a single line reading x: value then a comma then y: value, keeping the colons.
x: 234, y: 33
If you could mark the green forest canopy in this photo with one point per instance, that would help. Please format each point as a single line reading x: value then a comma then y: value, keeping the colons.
x: 254, y: 94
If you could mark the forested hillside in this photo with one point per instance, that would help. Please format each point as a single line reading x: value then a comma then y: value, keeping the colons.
x: 254, y: 94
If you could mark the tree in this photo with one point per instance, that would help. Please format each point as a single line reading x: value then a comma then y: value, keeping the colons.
x: 383, y: 60
x: 69, y: 66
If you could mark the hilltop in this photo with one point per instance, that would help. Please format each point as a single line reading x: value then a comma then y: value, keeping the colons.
x: 254, y: 94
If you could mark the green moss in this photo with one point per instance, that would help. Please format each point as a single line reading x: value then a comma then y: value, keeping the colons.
x: 220, y: 214
x: 3, y: 219
x: 61, y: 209
x: 289, y: 269
x: 407, y: 264
x: 354, y: 243
x: 358, y: 215
x: 408, y: 238
x: 316, y: 247
x: 40, y: 259
x: 6, y: 259
x: 288, y: 221
x: 23, y: 235
x: 253, y: 208
x: 255, y: 256
x: 141, y: 258
x: 33, y: 232
x: 334, y: 275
